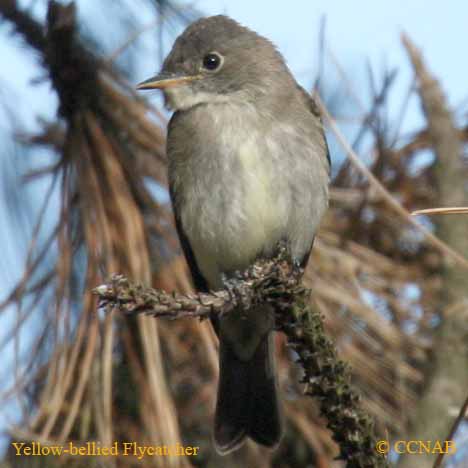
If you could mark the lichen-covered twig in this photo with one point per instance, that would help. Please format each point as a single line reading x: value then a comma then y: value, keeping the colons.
x: 278, y: 283
x: 266, y: 281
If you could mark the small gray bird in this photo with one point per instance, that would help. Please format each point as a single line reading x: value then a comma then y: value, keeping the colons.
x: 248, y: 168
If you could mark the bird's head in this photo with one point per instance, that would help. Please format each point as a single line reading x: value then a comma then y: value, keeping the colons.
x: 215, y: 59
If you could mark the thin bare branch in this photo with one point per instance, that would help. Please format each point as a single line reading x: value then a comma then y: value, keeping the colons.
x: 448, y: 210
x: 461, y: 416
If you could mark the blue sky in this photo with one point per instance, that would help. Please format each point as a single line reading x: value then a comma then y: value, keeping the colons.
x: 362, y: 29
x: 356, y: 31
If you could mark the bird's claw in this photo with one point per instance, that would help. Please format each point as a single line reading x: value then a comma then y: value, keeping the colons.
x: 235, y: 286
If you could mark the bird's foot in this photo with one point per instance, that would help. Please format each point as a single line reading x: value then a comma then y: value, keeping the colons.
x: 237, y: 289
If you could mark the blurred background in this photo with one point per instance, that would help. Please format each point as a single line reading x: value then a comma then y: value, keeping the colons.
x: 83, y: 195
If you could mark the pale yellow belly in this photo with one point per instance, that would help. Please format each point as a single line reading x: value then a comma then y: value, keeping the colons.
x: 250, y: 221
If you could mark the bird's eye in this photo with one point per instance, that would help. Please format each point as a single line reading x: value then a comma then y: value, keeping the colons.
x: 212, y: 61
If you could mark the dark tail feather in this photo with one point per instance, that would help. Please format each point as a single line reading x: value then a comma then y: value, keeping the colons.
x: 231, y: 417
x: 265, y: 426
x: 247, y: 402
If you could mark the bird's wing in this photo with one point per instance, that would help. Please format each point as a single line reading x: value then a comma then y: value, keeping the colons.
x: 314, y: 109
x: 200, y: 283
x: 198, y: 279
x: 310, y: 103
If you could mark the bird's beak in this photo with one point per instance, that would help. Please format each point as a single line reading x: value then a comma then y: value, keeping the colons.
x: 166, y: 80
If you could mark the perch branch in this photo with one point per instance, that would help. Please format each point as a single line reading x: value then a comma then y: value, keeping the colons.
x: 276, y: 282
